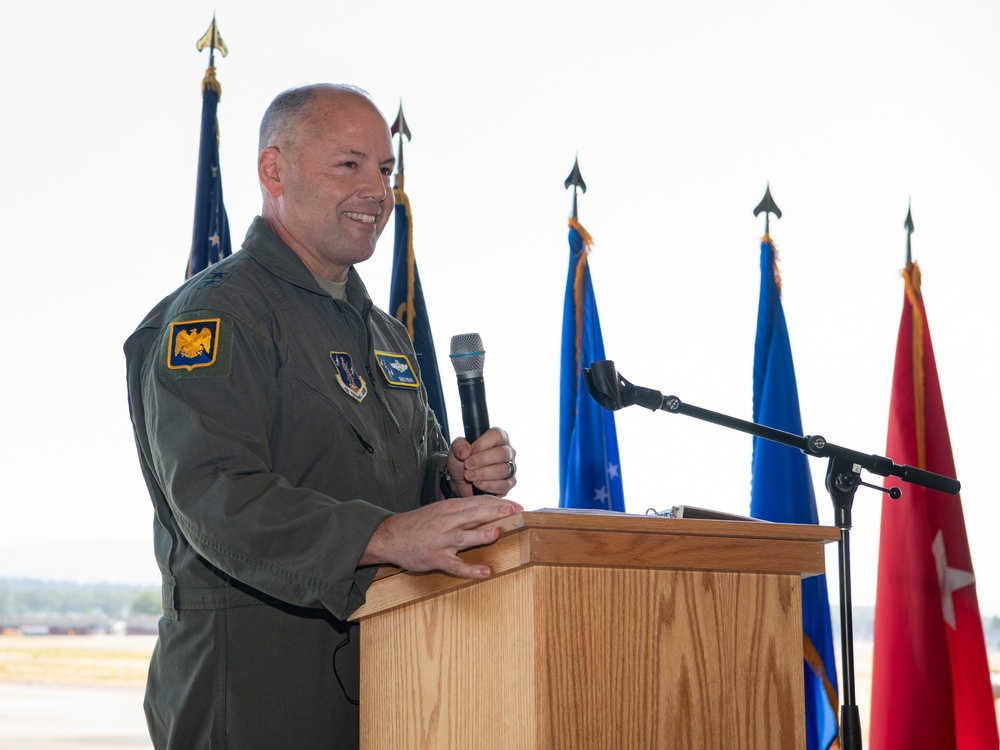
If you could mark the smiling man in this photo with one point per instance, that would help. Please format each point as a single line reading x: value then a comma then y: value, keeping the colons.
x: 286, y: 456
x: 324, y: 167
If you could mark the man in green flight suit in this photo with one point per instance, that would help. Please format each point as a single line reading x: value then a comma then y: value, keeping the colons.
x: 286, y: 456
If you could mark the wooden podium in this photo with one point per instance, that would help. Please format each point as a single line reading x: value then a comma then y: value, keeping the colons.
x: 596, y: 631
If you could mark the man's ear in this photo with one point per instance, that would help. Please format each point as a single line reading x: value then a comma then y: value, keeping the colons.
x: 269, y: 169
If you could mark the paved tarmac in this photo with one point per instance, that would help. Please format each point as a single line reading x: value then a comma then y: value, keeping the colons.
x: 68, y: 717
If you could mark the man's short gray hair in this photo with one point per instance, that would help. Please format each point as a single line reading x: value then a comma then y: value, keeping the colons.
x: 289, y: 107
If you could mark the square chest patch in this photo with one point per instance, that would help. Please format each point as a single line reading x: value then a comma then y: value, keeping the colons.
x: 397, y: 370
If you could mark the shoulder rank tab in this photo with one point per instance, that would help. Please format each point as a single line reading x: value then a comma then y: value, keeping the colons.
x: 215, y: 278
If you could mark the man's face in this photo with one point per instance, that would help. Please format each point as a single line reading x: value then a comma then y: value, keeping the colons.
x: 336, y: 198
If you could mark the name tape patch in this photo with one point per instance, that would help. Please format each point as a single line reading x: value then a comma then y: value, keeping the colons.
x: 397, y: 370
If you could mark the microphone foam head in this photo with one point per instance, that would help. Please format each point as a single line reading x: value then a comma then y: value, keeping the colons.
x: 467, y: 354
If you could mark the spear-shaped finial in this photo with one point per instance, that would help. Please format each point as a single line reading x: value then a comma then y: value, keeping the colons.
x: 213, y: 40
x: 768, y: 207
x: 576, y: 180
x: 400, y: 127
x: 908, y: 226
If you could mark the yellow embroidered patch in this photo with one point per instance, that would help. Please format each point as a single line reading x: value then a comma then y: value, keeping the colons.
x: 193, y: 343
x: 397, y: 370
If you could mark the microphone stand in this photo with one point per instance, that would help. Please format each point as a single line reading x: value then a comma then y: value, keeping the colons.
x: 843, y: 477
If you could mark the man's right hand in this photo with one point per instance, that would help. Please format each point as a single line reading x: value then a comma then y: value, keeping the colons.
x: 430, y: 537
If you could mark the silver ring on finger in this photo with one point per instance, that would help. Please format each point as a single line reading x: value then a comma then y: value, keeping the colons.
x: 510, y: 470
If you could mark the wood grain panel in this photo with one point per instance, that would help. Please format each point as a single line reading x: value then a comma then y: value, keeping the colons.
x: 584, y: 547
x: 449, y: 672
x: 595, y: 633
x: 567, y: 538
x: 653, y: 659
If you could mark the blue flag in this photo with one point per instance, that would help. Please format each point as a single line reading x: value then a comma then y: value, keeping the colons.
x: 406, y: 303
x: 210, y: 242
x: 782, y: 490
x: 589, y: 468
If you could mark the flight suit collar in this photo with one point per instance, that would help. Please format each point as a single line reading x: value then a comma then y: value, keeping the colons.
x: 264, y: 246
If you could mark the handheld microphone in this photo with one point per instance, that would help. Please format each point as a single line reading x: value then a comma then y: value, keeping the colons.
x: 468, y: 357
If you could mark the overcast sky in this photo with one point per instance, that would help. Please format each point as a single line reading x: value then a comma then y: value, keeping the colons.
x: 680, y: 114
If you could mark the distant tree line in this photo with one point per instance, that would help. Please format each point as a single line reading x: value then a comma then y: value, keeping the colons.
x: 20, y: 596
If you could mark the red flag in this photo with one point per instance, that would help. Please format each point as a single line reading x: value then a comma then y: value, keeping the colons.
x: 930, y: 678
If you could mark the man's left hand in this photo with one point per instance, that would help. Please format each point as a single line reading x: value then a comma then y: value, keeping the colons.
x: 487, y: 463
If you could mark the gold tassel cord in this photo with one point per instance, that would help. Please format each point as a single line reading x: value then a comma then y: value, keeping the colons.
x: 911, y: 282
x: 812, y: 658
x: 584, y: 234
x: 774, y: 265
x: 211, y: 82
x: 581, y: 267
x: 406, y: 311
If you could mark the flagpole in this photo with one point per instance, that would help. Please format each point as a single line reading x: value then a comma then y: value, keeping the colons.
x: 400, y: 127
x: 406, y: 295
x: 210, y: 240
x: 908, y: 226
x: 590, y: 475
x: 842, y: 483
x: 930, y: 678
x: 575, y: 180
x: 767, y: 206
x: 213, y: 40
x: 781, y: 488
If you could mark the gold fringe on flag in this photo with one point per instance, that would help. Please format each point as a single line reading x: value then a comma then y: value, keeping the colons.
x: 581, y: 267
x: 777, y: 274
x: 211, y: 82
x: 406, y: 311
x: 815, y: 663
x: 911, y: 281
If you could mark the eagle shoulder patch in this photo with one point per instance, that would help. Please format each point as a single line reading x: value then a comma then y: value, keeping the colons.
x: 198, y: 344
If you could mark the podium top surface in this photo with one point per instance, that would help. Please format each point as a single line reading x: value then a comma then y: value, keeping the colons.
x: 565, y: 537
x: 571, y: 518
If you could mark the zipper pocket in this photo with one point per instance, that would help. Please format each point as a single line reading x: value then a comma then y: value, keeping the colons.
x: 364, y: 443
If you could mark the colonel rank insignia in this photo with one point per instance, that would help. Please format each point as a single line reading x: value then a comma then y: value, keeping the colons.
x: 198, y: 347
x: 397, y: 370
x: 352, y: 383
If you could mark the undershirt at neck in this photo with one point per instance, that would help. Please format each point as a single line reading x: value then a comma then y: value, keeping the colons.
x: 336, y: 289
